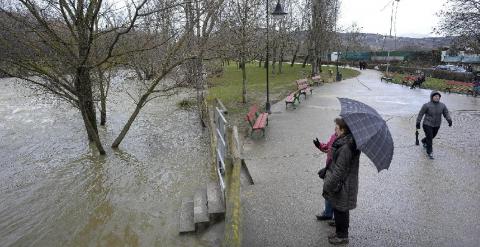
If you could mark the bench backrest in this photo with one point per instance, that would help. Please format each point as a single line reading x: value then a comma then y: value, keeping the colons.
x: 252, y: 114
x: 317, y: 77
x: 302, y: 83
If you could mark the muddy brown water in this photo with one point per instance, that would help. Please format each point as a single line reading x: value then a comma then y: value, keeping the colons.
x: 56, y: 191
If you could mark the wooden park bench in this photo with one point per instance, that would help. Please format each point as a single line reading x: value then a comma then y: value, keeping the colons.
x: 291, y: 98
x: 317, y: 79
x: 304, y: 87
x: 257, y: 121
x: 460, y: 87
x: 387, y: 79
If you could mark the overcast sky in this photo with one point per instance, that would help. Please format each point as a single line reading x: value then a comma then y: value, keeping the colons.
x: 415, y: 18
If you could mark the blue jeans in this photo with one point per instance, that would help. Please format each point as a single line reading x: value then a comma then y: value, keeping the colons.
x: 328, y: 209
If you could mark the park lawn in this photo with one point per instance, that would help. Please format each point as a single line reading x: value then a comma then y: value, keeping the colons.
x: 228, y: 86
x: 430, y: 83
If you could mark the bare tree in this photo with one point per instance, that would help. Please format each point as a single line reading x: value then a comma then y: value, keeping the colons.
x: 461, y: 18
x: 241, y: 25
x: 353, y: 38
x: 177, y: 49
x: 61, y: 46
x: 299, y: 30
x: 324, y: 16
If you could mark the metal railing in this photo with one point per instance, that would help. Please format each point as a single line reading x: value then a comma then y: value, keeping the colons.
x: 221, y: 148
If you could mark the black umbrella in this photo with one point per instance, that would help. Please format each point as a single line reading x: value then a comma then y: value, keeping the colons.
x: 370, y: 131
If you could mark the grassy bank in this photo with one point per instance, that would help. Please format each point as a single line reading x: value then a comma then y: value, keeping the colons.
x: 228, y: 86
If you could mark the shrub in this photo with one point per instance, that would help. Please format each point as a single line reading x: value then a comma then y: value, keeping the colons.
x: 186, y: 104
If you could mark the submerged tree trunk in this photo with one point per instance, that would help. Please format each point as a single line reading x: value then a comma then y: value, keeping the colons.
x: 83, y: 86
x: 104, y: 85
x: 129, y: 123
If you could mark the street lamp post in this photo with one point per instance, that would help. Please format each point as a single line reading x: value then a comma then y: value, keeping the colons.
x: 278, y: 12
x: 338, y: 76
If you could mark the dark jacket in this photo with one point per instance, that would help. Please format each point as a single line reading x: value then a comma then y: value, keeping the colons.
x: 433, y: 112
x: 340, y: 186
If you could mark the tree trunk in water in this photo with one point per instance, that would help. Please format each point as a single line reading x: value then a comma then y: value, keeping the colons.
x: 103, y: 98
x: 103, y: 111
x: 83, y: 86
x: 132, y: 118
x: 200, y: 86
x: 305, y: 61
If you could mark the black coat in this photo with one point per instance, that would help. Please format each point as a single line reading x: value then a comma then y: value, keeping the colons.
x: 340, y: 186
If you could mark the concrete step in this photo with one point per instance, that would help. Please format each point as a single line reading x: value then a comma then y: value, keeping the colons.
x: 215, y: 200
x: 200, y: 212
x: 186, y: 220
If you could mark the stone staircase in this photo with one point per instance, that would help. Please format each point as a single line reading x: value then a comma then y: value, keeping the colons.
x: 203, y: 208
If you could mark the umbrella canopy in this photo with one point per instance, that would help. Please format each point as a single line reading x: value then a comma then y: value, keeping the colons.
x: 369, y: 130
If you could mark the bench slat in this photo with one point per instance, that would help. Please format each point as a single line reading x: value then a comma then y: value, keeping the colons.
x: 290, y: 98
x: 261, y: 121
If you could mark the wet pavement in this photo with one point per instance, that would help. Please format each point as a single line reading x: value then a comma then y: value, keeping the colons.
x: 56, y: 191
x: 417, y: 202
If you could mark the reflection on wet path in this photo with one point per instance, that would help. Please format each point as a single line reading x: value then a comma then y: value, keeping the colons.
x: 56, y: 191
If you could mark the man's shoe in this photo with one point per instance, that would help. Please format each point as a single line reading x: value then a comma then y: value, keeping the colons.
x: 337, y: 241
x: 424, y: 144
x: 430, y: 156
x: 323, y: 217
x: 331, y: 223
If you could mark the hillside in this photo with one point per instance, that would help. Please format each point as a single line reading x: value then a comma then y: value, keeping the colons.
x: 376, y: 42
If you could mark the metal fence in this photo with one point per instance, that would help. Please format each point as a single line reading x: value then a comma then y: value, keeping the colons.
x: 221, y: 133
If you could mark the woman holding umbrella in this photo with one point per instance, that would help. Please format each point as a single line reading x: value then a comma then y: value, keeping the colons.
x: 360, y: 130
x: 340, y: 186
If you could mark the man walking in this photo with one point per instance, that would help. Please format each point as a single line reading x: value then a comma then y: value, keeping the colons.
x: 433, y: 112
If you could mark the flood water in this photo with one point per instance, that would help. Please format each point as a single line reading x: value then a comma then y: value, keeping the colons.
x: 56, y: 190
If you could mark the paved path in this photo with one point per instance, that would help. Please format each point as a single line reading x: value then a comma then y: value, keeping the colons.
x: 417, y: 202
